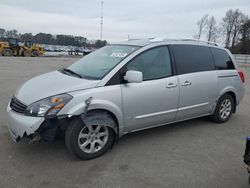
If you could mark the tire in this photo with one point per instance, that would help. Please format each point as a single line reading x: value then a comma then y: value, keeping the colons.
x: 7, y: 52
x: 35, y: 54
x: 224, y: 109
x: 26, y: 53
x: 84, y: 140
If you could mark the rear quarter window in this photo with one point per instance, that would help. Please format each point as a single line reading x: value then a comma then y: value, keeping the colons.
x: 221, y: 59
x: 191, y: 58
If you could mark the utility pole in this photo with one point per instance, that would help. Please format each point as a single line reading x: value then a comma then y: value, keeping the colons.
x: 101, y: 17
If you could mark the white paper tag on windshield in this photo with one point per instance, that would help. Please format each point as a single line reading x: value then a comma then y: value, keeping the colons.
x: 118, y: 54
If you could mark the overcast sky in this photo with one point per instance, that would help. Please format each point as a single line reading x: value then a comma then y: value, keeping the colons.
x: 137, y: 18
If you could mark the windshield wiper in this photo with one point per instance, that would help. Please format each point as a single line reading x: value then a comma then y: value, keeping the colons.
x: 71, y: 72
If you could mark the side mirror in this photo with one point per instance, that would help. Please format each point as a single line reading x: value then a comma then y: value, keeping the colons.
x: 133, y: 76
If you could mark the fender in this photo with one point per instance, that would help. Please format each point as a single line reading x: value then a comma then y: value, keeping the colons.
x: 222, y: 92
x: 97, y: 104
x: 226, y: 90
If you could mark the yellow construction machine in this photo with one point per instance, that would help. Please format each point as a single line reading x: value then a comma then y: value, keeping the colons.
x: 12, y: 47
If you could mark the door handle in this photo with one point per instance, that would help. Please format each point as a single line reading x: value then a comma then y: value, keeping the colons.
x: 171, y: 85
x: 186, y: 83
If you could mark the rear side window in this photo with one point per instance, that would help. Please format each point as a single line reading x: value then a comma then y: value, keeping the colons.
x: 222, y: 59
x: 190, y: 58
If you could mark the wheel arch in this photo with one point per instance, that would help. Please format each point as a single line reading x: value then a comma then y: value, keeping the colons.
x: 113, y: 116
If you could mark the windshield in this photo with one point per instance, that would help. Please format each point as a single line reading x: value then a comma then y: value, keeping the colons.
x: 99, y: 63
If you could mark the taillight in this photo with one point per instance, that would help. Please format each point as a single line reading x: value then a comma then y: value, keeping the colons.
x: 242, y: 76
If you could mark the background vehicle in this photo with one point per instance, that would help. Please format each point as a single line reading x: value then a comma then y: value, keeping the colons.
x: 4, y: 49
x: 127, y: 87
x: 12, y: 46
x: 35, y: 49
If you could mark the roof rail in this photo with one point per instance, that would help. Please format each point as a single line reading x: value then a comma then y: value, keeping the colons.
x: 199, y: 41
x: 153, y: 39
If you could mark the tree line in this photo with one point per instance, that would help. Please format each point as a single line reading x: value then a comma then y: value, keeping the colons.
x: 47, y: 38
x: 233, y: 30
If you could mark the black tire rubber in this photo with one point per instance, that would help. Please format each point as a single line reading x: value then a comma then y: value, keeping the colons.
x: 34, y: 54
x: 26, y: 54
x: 7, y: 52
x: 216, y: 116
x: 76, y: 125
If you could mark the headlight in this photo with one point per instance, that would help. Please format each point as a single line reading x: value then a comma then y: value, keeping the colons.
x: 49, y: 106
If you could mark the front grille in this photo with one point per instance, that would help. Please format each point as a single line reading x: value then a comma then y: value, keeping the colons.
x: 17, y: 106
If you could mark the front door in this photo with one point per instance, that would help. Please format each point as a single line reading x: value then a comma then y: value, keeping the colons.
x: 155, y: 100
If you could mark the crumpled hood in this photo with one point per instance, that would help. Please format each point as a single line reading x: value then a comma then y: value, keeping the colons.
x: 50, y: 84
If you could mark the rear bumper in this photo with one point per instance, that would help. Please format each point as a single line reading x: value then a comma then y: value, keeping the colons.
x: 20, y: 125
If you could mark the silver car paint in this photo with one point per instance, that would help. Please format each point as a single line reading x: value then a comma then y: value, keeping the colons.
x: 50, y: 84
x: 133, y: 107
x: 143, y: 106
x: 20, y: 124
x: 198, y: 93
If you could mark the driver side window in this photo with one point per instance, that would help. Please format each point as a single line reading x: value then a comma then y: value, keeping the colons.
x: 154, y: 63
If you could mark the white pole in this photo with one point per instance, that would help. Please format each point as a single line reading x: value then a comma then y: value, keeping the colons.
x: 101, y: 17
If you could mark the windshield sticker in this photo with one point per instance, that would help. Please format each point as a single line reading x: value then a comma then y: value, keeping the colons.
x: 118, y: 54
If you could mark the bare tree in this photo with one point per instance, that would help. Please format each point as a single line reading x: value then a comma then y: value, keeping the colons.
x: 211, y: 29
x: 240, y: 19
x: 201, y: 25
x: 231, y: 25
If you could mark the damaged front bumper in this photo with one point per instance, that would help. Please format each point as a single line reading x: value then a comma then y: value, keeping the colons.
x: 21, y: 125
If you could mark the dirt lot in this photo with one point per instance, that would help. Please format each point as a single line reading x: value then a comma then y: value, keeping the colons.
x: 195, y: 153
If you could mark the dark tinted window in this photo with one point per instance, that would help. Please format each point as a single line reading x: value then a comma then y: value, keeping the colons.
x: 154, y: 63
x: 222, y: 59
x: 191, y: 58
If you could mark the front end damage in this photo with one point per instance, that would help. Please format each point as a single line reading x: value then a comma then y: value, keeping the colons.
x: 43, y: 128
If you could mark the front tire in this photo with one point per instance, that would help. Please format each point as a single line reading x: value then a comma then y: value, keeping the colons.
x: 92, y: 138
x: 7, y: 52
x: 224, y: 109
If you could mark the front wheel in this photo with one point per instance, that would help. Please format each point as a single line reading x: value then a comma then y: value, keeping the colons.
x: 7, y: 52
x: 92, y: 138
x: 224, y: 109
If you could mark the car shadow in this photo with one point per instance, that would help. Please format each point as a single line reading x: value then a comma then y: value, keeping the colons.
x: 57, y: 149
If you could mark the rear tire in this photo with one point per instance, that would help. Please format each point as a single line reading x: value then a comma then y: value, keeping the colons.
x: 7, y: 52
x: 92, y: 138
x: 224, y: 109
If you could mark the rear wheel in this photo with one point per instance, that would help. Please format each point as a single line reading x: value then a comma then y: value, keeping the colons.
x: 92, y: 138
x: 7, y: 52
x: 224, y: 109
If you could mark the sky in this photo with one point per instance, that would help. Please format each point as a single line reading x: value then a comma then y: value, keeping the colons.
x: 133, y: 18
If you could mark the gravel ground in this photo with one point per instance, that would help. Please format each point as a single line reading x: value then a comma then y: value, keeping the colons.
x: 196, y: 153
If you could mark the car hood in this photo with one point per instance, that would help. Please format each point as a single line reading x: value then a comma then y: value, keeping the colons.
x: 50, y: 84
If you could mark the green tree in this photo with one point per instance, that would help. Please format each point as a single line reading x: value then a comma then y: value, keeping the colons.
x: 2, y: 32
x: 100, y: 43
x: 26, y: 37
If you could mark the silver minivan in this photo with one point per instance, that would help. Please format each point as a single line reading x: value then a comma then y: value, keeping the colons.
x: 126, y: 87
